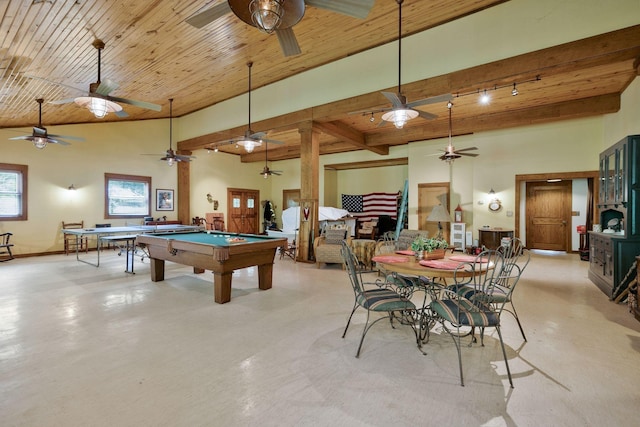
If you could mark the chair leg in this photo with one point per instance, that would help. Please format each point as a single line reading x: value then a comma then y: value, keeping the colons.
x: 355, y: 306
x: 504, y: 353
x: 364, y: 332
x: 515, y: 314
x: 456, y: 340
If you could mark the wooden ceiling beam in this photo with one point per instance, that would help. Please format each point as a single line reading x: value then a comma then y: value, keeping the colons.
x: 275, y: 124
x: 610, y: 47
x: 586, y: 107
x: 348, y: 134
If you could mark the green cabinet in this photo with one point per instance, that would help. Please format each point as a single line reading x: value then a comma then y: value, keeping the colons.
x: 612, y: 254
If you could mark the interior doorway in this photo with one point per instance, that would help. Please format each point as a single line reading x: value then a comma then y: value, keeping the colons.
x: 592, y: 178
x: 244, y: 210
x: 548, y: 215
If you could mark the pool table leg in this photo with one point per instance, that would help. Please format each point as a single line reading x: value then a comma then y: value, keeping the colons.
x: 222, y: 287
x: 157, y: 269
x: 265, y: 274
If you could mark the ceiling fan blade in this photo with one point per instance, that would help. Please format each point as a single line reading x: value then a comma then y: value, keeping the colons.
x: 121, y: 113
x: 431, y: 100
x: 141, y: 104
x: 467, y: 149
x: 256, y: 135
x: 31, y: 138
x: 288, y: 42
x: 55, y: 83
x: 57, y: 141
x: 394, y: 98
x: 106, y: 86
x: 205, y: 17
x: 75, y: 138
x: 62, y: 101
x: 382, y: 123
x: 467, y: 154
x: 425, y: 115
x: 184, y: 158
x: 272, y: 141
x: 356, y: 8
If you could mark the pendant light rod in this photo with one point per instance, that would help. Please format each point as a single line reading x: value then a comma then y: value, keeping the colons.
x: 399, y: 45
x: 170, y: 123
x: 249, y: 64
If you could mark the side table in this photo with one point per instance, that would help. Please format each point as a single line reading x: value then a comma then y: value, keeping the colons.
x: 364, y: 250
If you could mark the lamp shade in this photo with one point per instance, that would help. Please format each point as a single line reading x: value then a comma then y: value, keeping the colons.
x: 439, y: 214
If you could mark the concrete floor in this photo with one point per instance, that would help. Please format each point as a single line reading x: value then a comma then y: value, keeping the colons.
x: 87, y: 346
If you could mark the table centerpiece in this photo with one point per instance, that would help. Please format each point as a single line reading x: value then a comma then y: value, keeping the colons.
x: 429, y: 248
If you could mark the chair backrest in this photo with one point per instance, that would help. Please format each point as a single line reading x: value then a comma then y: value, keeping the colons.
x: 4, y: 239
x: 515, y: 254
x: 335, y: 236
x: 488, y: 267
x: 218, y: 224
x: 68, y: 225
x: 351, y: 263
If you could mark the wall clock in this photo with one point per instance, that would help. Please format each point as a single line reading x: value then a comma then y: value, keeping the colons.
x: 494, y: 205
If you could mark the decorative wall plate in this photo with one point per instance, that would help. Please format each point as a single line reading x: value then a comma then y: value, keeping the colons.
x: 495, y: 205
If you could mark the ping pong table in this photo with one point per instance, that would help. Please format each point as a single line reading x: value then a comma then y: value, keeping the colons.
x: 127, y: 234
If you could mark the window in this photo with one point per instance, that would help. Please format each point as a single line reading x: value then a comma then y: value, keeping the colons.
x: 126, y: 196
x: 13, y: 192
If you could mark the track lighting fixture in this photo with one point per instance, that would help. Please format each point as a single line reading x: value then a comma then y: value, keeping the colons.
x: 484, y: 98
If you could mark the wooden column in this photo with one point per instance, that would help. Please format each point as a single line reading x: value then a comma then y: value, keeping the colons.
x: 309, y: 189
x: 184, y: 190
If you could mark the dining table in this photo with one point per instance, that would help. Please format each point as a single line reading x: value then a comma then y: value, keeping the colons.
x: 405, y: 262
x: 436, y: 271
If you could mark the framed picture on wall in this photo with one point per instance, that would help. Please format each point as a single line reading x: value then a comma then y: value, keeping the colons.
x: 164, y: 200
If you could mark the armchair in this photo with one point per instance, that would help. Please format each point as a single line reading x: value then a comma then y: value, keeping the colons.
x: 367, y: 230
x: 327, y: 248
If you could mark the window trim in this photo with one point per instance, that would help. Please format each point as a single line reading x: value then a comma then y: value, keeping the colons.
x: 24, y: 171
x: 122, y: 177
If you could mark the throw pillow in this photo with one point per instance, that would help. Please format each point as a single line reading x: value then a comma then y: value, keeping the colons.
x: 334, y: 237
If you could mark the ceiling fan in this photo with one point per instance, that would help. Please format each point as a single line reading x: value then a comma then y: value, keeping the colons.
x: 450, y: 153
x: 279, y: 16
x: 401, y: 111
x: 98, y: 101
x: 266, y: 172
x: 40, y: 137
x: 170, y: 156
x: 251, y: 139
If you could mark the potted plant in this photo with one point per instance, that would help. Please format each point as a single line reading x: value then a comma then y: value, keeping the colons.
x: 429, y: 248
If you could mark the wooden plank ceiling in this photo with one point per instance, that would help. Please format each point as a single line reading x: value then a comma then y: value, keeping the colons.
x: 46, y: 52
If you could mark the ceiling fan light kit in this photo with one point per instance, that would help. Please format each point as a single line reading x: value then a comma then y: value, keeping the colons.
x: 399, y: 117
x: 266, y: 15
x: 250, y: 144
x: 98, y: 106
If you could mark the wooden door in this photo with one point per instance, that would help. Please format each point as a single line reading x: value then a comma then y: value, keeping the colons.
x: 244, y: 210
x: 429, y: 196
x: 548, y: 215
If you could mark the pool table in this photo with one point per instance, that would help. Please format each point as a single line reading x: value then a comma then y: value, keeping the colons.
x: 220, y: 252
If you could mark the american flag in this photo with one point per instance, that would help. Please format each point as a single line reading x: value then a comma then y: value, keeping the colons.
x: 368, y: 207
